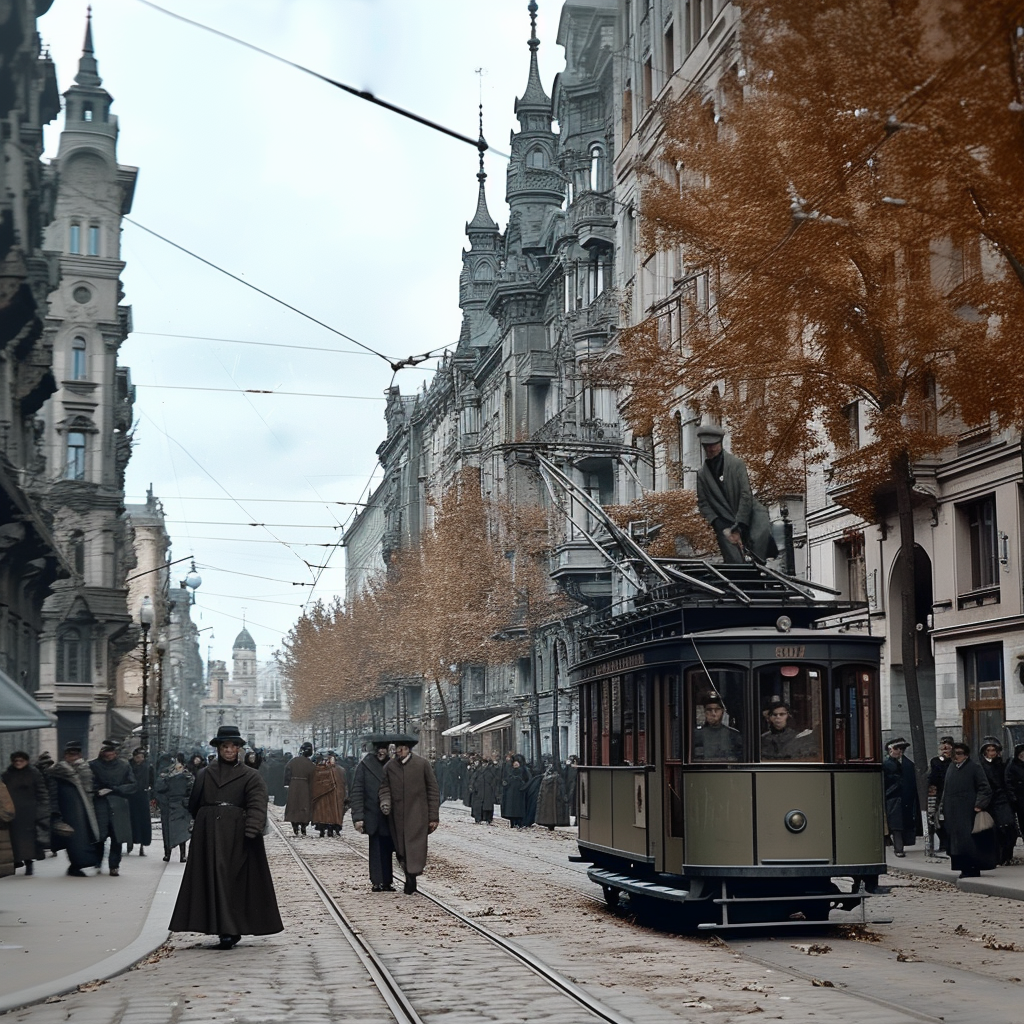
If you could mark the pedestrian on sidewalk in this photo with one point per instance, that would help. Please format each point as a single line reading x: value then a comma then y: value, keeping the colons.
x: 995, y: 771
x: 410, y: 800
x: 172, y: 790
x: 30, y: 830
x: 366, y: 814
x: 513, y: 799
x: 227, y: 890
x: 139, y: 802
x: 72, y: 816
x: 328, y: 797
x: 1015, y: 785
x: 298, y: 777
x: 551, y: 807
x: 965, y: 793
x: 902, y: 808
x: 7, y: 813
x: 115, y: 783
x: 937, y: 768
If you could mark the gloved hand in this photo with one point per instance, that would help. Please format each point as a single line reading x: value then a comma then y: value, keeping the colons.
x: 385, y: 809
x: 358, y: 825
x: 431, y: 826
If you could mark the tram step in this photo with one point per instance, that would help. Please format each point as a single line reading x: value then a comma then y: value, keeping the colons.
x: 625, y: 883
x: 836, y: 896
x: 743, y: 926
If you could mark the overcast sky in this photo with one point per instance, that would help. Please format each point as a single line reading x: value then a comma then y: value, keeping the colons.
x: 338, y: 207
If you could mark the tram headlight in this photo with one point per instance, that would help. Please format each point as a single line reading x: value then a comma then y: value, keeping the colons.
x: 783, y: 623
x: 796, y: 821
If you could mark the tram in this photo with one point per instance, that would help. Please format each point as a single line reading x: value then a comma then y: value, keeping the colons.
x: 731, y: 762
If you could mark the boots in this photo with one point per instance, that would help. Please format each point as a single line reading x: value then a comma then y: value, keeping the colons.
x: 28, y: 867
x: 181, y: 853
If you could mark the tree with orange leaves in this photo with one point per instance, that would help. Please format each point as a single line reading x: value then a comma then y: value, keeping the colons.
x: 854, y: 193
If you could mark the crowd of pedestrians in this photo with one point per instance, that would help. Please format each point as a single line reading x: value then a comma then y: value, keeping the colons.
x: 976, y: 807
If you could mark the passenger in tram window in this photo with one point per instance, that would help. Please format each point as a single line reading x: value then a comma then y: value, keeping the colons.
x: 783, y: 741
x: 714, y: 740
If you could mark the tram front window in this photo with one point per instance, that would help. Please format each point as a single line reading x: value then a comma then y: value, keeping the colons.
x: 791, y: 709
x: 716, y: 699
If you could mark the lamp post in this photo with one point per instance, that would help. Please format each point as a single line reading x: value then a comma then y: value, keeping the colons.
x: 145, y: 621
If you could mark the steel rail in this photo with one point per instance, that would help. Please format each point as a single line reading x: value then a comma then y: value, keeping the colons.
x: 557, y: 981
x: 397, y: 1001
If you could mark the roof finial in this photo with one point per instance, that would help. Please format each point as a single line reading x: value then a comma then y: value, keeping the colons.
x: 88, y: 72
x: 534, y: 97
x: 481, y: 219
x: 87, y: 45
x: 481, y: 142
x: 534, y: 41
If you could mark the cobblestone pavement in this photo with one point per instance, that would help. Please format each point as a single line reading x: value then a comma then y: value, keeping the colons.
x: 942, y: 942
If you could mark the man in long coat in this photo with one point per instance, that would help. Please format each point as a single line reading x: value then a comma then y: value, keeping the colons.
x: 551, y: 808
x: 366, y: 815
x: 138, y: 802
x: 227, y: 889
x: 902, y: 807
x: 328, y: 797
x: 173, y: 789
x: 727, y: 502
x: 298, y: 777
x: 71, y: 784
x: 115, y: 783
x: 409, y: 797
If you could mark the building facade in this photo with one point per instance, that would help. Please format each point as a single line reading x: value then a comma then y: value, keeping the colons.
x: 86, y: 425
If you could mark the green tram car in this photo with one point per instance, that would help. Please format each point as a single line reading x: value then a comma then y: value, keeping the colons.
x: 731, y: 751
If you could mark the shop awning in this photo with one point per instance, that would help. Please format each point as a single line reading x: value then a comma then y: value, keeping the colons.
x: 19, y: 710
x: 457, y: 730
x: 497, y: 722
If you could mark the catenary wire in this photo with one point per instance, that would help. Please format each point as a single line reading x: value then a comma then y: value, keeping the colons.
x: 261, y: 391
x: 479, y: 144
x: 287, y: 501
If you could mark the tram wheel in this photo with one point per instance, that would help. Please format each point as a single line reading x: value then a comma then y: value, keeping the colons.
x: 611, y: 896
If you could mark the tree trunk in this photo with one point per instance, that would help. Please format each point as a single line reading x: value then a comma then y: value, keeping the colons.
x: 908, y: 638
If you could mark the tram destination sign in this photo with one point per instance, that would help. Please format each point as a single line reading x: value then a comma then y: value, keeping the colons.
x: 616, y: 665
x: 787, y: 653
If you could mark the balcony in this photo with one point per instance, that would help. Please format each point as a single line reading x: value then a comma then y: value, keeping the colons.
x: 591, y: 219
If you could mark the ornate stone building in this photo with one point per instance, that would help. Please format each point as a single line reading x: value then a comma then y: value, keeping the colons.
x: 538, y: 306
x: 86, y: 424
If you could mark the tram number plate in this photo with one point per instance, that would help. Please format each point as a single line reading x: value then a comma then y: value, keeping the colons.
x: 790, y: 652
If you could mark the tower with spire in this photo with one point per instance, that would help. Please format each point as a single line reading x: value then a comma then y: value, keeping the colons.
x: 86, y: 424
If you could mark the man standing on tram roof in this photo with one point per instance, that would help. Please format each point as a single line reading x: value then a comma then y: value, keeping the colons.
x: 714, y: 740
x: 727, y: 502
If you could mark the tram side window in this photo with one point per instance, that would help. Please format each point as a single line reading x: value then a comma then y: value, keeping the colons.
x: 606, y: 719
x: 791, y: 707
x: 855, y: 713
x: 615, y: 750
x: 628, y: 720
x: 717, y: 701
x: 674, y: 718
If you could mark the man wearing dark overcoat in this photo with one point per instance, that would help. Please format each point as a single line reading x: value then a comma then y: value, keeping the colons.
x: 227, y: 889
x: 366, y: 815
x: 727, y: 502
x: 298, y: 777
x: 115, y: 783
x: 409, y: 798
x: 73, y: 822
x: 902, y: 807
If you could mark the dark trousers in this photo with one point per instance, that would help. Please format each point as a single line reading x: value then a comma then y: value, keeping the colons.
x: 382, y: 851
x: 115, y: 850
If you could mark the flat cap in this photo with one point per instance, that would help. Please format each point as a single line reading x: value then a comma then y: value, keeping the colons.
x: 709, y: 433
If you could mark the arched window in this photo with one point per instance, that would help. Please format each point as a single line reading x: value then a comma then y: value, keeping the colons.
x: 72, y: 656
x: 75, y: 239
x: 596, y: 168
x: 87, y: 112
x: 76, y: 456
x: 536, y: 158
x: 484, y: 272
x: 94, y: 240
x: 78, y: 359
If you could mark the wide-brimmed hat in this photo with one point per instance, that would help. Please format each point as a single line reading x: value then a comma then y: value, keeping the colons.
x: 990, y: 741
x: 403, y: 740
x: 898, y: 742
x: 228, y: 734
x: 377, y: 740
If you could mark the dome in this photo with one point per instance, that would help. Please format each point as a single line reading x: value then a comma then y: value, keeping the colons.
x: 244, y: 641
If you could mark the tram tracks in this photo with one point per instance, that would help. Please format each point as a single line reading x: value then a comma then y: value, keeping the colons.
x: 393, y: 982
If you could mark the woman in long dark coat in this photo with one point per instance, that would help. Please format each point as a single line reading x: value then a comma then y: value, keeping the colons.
x: 172, y: 790
x: 328, y: 797
x: 965, y: 793
x: 1015, y: 785
x: 513, y: 800
x: 30, y: 829
x: 902, y: 807
x: 138, y: 802
x: 994, y: 767
x: 551, y: 809
x: 227, y: 889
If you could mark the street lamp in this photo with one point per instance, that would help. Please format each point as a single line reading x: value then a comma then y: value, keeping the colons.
x: 192, y: 581
x: 145, y: 621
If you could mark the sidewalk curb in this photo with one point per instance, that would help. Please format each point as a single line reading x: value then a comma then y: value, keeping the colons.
x: 986, y: 886
x: 152, y: 936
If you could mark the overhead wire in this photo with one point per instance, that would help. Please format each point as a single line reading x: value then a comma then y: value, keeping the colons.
x: 260, y: 391
x: 287, y: 501
x: 363, y: 94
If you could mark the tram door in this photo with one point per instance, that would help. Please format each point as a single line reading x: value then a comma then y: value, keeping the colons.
x: 668, y: 698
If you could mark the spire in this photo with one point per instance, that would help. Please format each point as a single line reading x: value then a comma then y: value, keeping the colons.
x: 535, y: 96
x: 482, y: 218
x: 88, y: 72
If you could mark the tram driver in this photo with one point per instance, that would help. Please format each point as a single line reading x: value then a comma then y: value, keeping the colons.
x: 714, y: 740
x: 782, y: 741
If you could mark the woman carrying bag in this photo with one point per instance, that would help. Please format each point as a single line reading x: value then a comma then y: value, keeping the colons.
x: 964, y: 795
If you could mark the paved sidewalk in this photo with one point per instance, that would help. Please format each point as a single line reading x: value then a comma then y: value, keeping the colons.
x: 1007, y: 882
x: 58, y: 932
